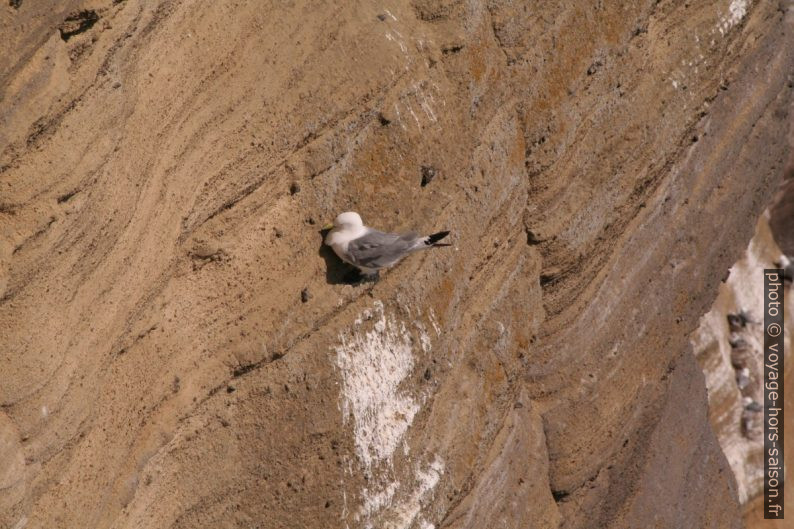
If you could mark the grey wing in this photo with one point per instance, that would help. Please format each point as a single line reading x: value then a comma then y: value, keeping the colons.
x: 377, y: 249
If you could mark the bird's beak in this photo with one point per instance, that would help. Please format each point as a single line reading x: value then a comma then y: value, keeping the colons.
x: 328, y: 226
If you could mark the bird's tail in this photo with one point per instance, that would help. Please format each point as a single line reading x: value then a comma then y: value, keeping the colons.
x: 432, y: 240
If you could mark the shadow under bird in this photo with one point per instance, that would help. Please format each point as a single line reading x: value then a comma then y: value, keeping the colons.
x: 371, y: 250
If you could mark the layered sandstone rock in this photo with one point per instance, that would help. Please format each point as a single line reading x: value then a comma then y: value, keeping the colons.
x: 180, y: 351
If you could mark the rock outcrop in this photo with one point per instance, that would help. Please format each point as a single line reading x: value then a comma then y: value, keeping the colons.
x: 180, y: 351
x: 729, y: 345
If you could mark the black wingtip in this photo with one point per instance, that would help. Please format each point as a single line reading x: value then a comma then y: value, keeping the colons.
x: 434, y: 238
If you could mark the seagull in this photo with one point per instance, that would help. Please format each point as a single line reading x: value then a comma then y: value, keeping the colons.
x: 370, y: 250
x: 739, y: 320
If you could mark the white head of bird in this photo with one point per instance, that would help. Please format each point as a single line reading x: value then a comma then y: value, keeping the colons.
x: 346, y: 227
x: 349, y: 220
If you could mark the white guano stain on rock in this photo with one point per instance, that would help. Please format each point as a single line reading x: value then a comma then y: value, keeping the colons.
x: 710, y: 343
x: 394, y: 506
x: 736, y: 12
x: 409, y: 510
x: 373, y: 364
x: 743, y: 290
x: 738, y: 9
x: 376, y: 501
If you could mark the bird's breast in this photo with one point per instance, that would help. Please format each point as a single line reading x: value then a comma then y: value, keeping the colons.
x: 338, y: 244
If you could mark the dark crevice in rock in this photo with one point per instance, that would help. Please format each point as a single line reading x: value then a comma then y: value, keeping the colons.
x: 533, y: 238
x: 67, y: 196
x: 428, y: 173
x: 46, y: 125
x: 594, y: 67
x: 559, y: 495
x: 452, y: 49
x: 36, y: 235
x: 77, y: 23
x: 549, y: 277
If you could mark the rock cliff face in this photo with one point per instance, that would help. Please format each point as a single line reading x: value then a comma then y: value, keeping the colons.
x: 180, y: 351
x: 729, y: 345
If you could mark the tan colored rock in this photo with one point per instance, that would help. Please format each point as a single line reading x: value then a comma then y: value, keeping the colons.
x: 735, y: 393
x: 510, y: 491
x: 590, y: 231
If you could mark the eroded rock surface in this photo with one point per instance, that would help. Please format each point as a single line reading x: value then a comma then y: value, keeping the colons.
x: 599, y: 166
x: 729, y: 345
